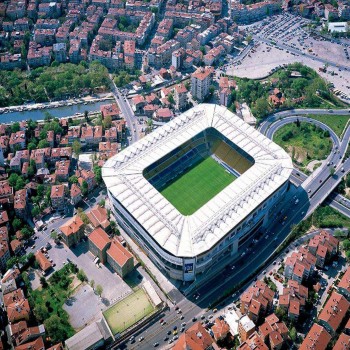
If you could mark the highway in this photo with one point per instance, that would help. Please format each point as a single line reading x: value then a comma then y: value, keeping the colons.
x: 277, y: 120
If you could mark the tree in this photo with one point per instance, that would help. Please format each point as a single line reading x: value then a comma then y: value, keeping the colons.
x: 15, y: 127
x: 36, y: 211
x: 84, y: 188
x: 107, y: 122
x: 56, y: 328
x: 11, y: 262
x: 41, y: 313
x: 73, y: 179
x: 92, y: 284
x: 43, y: 282
x: 43, y: 144
x: 81, y: 275
x: 16, y: 224
x: 297, y: 123
x: 171, y: 99
x: 76, y: 148
x: 102, y: 203
x: 99, y: 290
x: 26, y: 232
x: 13, y: 179
x: 53, y: 235
x: 331, y: 171
x: 98, y: 175
x: 261, y: 107
x: 293, y: 334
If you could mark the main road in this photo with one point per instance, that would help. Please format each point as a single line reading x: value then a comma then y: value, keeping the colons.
x: 127, y: 112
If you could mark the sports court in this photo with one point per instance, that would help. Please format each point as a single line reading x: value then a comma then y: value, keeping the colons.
x: 197, y: 185
x: 128, y: 311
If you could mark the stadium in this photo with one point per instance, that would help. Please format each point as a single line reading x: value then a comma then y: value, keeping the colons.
x: 196, y: 189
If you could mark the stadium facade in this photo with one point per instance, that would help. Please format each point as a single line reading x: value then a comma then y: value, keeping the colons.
x: 181, y: 245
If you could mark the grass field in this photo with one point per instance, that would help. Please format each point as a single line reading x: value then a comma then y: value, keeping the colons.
x: 197, y: 186
x: 334, y: 121
x: 128, y: 311
x: 304, y: 143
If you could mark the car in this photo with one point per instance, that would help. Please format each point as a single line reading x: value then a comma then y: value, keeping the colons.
x: 176, y: 337
x: 175, y: 328
x: 141, y: 338
x: 183, y: 324
x: 161, y: 321
x: 166, y: 338
x: 33, y: 246
x: 182, y: 329
x: 309, y: 190
x: 170, y: 341
x: 202, y: 317
x: 179, y: 311
x: 174, y: 332
x: 194, y: 319
x: 182, y: 317
x: 168, y: 332
x: 132, y: 338
x: 155, y: 344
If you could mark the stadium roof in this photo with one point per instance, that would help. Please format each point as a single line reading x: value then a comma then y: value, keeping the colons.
x: 189, y: 236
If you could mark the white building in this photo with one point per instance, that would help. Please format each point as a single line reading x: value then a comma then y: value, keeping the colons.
x: 200, y: 82
x: 338, y: 27
x: 186, y: 245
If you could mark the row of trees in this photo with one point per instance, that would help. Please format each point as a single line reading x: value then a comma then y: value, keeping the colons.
x: 46, y: 83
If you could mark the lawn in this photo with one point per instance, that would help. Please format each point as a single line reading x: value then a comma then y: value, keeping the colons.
x: 128, y: 311
x: 47, y: 304
x: 326, y: 216
x: 197, y: 186
x: 334, y: 121
x: 304, y: 143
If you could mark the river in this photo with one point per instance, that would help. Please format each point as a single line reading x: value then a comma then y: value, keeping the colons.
x: 60, y: 112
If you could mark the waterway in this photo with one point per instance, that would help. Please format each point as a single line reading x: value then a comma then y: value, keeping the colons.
x: 59, y: 112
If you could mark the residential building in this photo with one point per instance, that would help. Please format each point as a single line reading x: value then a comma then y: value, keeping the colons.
x: 75, y: 194
x: 98, y: 217
x: 196, y: 337
x: 20, y: 203
x: 17, y: 140
x: 253, y: 342
x: 4, y: 253
x: 344, y: 284
x: 16, y: 246
x: 6, y: 192
x: 343, y: 342
x: 99, y: 242
x: 334, y: 312
x: 37, y: 344
x: 120, y: 259
x: 62, y: 170
x: 246, y: 328
x: 256, y: 301
x: 43, y: 261
x: 200, y: 82
x: 110, y: 110
x: 17, y: 306
x: 317, y: 339
x: 58, y: 201
x: 180, y: 97
x: 220, y: 329
x: 19, y: 333
x: 72, y: 231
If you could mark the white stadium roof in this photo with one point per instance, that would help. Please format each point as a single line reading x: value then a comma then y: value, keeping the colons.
x: 189, y: 236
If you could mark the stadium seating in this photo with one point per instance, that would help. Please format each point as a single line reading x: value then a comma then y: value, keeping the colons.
x: 203, y: 145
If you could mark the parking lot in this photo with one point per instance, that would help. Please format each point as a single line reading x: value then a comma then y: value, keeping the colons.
x: 299, y: 45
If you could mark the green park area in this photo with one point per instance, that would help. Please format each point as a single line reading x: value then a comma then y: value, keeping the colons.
x: 304, y: 142
x: 47, y: 302
x: 196, y: 186
x: 128, y: 311
x: 300, y: 86
x: 57, y: 82
x: 334, y: 121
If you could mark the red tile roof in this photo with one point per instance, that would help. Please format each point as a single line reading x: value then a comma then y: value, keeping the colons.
x: 118, y: 253
x: 334, y: 311
x: 317, y: 339
x: 195, y: 338
x: 99, y: 238
x: 343, y: 342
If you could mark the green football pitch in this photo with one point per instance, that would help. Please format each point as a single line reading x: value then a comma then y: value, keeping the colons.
x: 195, y: 187
x: 128, y: 311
